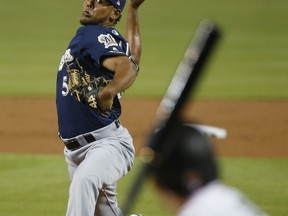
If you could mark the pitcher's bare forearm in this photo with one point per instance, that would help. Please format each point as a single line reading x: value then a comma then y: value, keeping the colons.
x: 124, y: 76
x: 133, y: 30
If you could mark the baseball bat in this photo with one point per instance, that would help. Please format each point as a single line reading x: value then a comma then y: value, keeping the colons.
x: 181, y: 86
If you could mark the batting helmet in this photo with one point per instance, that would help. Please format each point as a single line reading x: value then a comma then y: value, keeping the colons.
x: 183, y: 149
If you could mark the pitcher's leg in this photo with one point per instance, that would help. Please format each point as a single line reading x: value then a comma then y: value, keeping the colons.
x: 107, y: 202
x: 103, y: 165
x: 83, y: 193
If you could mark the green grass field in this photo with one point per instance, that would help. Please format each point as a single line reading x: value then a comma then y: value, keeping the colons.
x: 250, y: 60
x: 37, y: 185
x: 250, y: 63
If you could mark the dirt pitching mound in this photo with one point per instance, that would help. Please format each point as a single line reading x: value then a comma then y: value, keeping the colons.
x: 255, y: 128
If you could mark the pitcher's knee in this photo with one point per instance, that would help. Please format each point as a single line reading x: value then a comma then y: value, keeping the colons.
x: 85, y: 183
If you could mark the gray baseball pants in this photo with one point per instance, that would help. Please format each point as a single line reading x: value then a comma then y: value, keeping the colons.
x: 94, y: 170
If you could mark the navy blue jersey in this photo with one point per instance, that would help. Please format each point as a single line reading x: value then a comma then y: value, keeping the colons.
x: 90, y: 46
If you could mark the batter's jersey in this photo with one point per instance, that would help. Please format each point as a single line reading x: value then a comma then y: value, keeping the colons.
x: 89, y: 47
x: 217, y: 199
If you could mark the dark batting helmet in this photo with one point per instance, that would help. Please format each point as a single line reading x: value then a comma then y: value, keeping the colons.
x: 183, y: 149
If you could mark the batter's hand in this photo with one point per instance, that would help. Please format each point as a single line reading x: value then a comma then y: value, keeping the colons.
x: 136, y: 3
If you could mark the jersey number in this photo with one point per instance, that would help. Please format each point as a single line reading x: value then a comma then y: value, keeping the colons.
x: 65, y: 89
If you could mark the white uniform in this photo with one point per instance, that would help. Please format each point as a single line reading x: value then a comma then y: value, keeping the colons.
x: 217, y: 199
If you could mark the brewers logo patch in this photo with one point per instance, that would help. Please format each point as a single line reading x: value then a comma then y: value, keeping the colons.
x: 107, y: 40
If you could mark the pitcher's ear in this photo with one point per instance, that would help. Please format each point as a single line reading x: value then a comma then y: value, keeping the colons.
x: 116, y: 14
